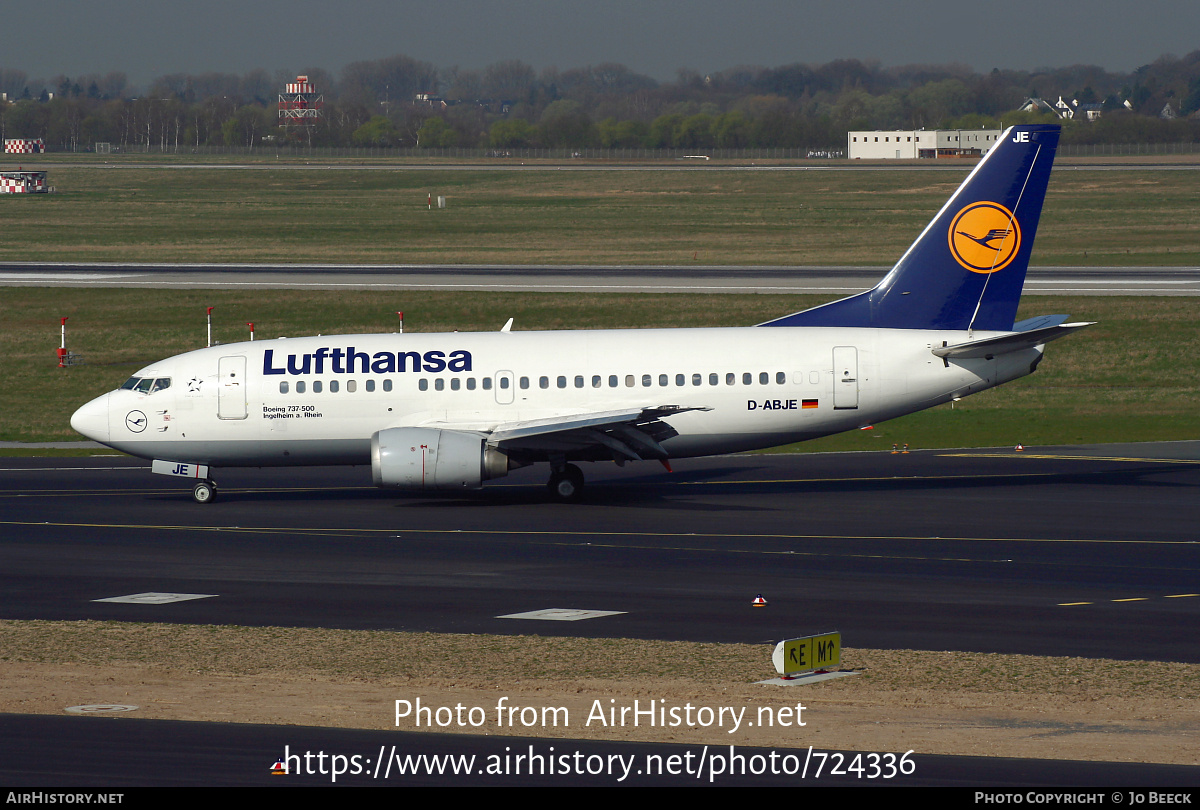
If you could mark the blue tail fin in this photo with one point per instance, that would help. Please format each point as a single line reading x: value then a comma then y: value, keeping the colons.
x: 967, y: 268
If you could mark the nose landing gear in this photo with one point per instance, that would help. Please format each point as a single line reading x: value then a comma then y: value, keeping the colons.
x: 204, y: 492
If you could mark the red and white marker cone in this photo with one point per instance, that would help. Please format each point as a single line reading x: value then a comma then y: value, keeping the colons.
x: 759, y: 601
x: 1019, y: 448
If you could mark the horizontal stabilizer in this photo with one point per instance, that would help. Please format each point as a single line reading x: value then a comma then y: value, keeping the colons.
x: 1040, y: 322
x: 1015, y: 342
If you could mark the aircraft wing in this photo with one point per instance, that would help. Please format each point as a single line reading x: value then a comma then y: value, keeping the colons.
x: 632, y: 434
x: 1016, y: 341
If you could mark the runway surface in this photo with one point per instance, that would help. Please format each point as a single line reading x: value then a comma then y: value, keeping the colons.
x: 625, y: 279
x: 1087, y: 551
x: 1056, y: 551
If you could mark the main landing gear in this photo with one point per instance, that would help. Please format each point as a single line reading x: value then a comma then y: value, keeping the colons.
x: 204, y: 492
x: 566, y: 482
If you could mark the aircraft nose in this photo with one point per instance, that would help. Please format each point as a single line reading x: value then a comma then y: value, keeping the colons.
x: 92, y: 419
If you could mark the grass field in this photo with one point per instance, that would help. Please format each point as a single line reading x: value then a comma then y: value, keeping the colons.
x: 1133, y: 377
x: 344, y: 214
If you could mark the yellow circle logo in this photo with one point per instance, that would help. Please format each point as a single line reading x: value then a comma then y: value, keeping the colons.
x: 984, y: 237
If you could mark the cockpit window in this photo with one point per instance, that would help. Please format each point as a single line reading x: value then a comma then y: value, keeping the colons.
x: 146, y: 385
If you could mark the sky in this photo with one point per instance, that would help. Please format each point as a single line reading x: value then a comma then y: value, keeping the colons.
x: 146, y: 39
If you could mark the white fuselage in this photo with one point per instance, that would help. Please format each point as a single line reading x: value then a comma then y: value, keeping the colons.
x: 318, y: 400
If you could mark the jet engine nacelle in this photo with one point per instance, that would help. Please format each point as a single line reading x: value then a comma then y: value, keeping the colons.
x: 423, y: 458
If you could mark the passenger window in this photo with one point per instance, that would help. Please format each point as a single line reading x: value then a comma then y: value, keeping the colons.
x: 470, y: 383
x: 299, y: 386
x: 629, y: 381
x: 487, y: 384
x: 333, y: 386
x: 697, y: 379
x: 504, y: 383
x: 439, y: 384
x: 680, y: 379
x: 747, y: 378
x: 730, y: 378
x: 646, y: 381
x: 316, y: 386
x: 713, y: 379
x: 814, y: 377
x: 562, y: 382
x: 612, y: 381
x: 524, y: 383
x: 663, y: 379
x: 351, y: 386
x: 763, y: 378
x: 596, y: 381
x: 370, y: 385
x: 387, y: 385
x: 423, y: 384
x: 455, y: 383
x: 283, y: 386
x: 780, y: 377
x: 543, y: 382
x: 578, y: 381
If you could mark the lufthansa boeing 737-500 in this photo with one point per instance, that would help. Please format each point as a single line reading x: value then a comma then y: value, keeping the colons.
x: 449, y: 411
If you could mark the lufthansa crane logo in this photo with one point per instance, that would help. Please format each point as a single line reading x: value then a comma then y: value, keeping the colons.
x: 135, y: 421
x: 984, y: 237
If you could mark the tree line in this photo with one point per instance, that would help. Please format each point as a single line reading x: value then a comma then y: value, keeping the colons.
x: 510, y: 105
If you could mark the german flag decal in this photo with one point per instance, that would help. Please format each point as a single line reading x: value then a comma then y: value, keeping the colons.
x: 808, y: 403
x: 984, y: 237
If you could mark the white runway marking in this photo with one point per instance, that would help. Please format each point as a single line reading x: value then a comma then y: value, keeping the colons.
x: 155, y: 598
x: 562, y: 614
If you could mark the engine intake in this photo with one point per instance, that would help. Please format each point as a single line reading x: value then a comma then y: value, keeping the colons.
x: 424, y: 458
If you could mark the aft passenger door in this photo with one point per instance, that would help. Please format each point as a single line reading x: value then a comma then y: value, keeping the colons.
x: 845, y: 377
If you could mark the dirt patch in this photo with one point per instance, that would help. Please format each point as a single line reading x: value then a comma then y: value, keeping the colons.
x: 928, y: 702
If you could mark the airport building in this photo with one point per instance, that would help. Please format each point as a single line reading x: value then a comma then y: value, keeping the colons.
x: 920, y: 143
x: 24, y: 146
x: 23, y: 182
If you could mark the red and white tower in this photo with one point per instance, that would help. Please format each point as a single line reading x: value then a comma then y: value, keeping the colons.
x: 300, y: 104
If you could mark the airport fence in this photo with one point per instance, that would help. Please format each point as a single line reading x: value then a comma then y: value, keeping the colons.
x: 269, y: 151
x: 1126, y: 149
x: 451, y: 153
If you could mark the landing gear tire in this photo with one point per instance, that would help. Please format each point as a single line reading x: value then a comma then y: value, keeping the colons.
x: 566, y: 484
x: 204, y: 492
